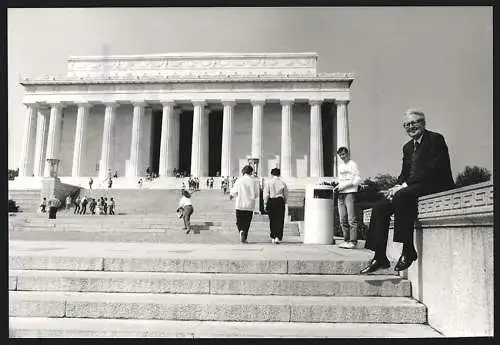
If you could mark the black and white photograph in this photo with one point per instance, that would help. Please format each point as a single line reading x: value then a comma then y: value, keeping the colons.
x: 250, y: 172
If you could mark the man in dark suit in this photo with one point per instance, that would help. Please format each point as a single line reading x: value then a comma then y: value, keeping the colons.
x: 426, y: 170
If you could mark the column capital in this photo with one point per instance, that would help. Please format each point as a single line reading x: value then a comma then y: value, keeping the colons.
x: 286, y: 101
x: 55, y: 104
x: 206, y: 110
x: 139, y: 104
x: 315, y: 101
x: 110, y: 104
x: 257, y: 102
x: 230, y: 102
x: 167, y: 103
x: 199, y: 103
x: 31, y: 104
x: 341, y: 101
x: 84, y: 104
x: 177, y: 111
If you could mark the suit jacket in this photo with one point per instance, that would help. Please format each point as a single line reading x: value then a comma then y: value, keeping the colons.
x: 433, y: 170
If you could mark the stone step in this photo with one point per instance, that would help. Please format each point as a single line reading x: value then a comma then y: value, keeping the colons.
x: 217, y: 307
x: 261, y: 258
x: 170, y: 236
x: 207, y: 283
x: 37, y: 327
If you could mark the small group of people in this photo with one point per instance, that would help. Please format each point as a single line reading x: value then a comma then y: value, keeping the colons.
x: 246, y: 190
x: 52, y: 204
x: 101, y: 206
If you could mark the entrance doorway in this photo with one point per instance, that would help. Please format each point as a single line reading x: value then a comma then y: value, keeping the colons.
x: 154, y: 152
x: 327, y: 109
x: 185, y: 141
x: 214, y: 142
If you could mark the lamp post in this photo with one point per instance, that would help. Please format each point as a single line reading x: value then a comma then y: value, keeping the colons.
x: 54, y: 165
x: 254, y: 163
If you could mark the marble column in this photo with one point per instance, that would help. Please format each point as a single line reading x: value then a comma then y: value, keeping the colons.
x: 257, y: 118
x: 135, y: 145
x: 316, y: 143
x: 167, y: 138
x: 41, y: 140
x: 342, y: 124
x: 80, y: 142
x: 107, y: 140
x: 227, y: 138
x: 197, y: 142
x: 29, y: 137
x: 286, y: 138
x: 54, y: 135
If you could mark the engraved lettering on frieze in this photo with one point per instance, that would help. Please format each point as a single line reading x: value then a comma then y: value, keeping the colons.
x: 490, y: 196
x: 467, y: 200
x: 479, y: 198
x: 456, y: 203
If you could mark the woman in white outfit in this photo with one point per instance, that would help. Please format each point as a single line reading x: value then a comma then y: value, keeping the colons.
x: 187, y: 210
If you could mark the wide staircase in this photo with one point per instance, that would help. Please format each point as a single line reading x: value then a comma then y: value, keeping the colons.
x: 28, y: 200
x: 140, y: 275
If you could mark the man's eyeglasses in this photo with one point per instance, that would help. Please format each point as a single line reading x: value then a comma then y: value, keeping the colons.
x: 412, y: 123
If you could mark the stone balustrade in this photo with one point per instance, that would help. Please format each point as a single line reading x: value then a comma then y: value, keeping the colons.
x: 453, y: 275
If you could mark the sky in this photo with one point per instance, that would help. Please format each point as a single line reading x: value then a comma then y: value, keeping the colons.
x: 437, y: 59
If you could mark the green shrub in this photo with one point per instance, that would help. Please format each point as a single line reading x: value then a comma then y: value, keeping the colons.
x: 472, y: 175
x: 13, y: 173
x: 13, y: 207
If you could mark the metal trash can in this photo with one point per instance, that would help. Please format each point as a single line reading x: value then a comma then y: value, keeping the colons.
x: 318, y: 215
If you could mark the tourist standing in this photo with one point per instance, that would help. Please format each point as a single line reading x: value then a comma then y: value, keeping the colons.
x: 77, y: 205
x: 91, y: 182
x: 112, y: 206
x: 246, y: 191
x: 275, y: 196
x: 349, y: 180
x: 187, y: 209
x: 43, y: 205
x: 53, y: 204
x: 110, y: 182
x: 84, y: 205
x: 68, y: 203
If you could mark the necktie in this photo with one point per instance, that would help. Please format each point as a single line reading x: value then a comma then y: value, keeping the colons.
x: 414, y: 156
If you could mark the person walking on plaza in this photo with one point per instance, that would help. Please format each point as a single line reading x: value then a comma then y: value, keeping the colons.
x: 275, y: 196
x: 91, y: 182
x: 77, y: 205
x: 112, y: 206
x: 92, y: 205
x: 68, y: 203
x: 53, y: 204
x: 186, y: 205
x: 246, y: 191
x: 110, y: 182
x: 43, y: 205
x: 348, y: 181
x: 83, y: 203
x: 426, y: 169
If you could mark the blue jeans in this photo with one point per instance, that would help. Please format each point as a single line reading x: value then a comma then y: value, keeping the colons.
x: 347, y: 214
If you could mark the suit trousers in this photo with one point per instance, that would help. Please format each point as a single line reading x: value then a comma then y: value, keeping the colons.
x: 276, y: 211
x: 404, y: 208
x: 243, y: 220
x: 186, y: 216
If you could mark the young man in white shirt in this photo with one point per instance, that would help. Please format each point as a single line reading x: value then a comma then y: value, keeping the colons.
x: 246, y: 190
x: 348, y: 181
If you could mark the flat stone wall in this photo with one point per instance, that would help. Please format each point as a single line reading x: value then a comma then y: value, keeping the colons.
x: 453, y: 275
x: 59, y: 189
x: 241, y: 148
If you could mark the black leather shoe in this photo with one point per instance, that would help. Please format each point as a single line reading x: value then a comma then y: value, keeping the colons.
x: 404, y: 262
x: 375, y: 265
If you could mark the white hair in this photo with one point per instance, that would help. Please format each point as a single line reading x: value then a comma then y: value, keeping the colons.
x: 415, y: 112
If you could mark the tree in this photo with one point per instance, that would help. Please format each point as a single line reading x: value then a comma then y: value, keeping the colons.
x: 13, y: 173
x: 385, y: 181
x: 472, y: 175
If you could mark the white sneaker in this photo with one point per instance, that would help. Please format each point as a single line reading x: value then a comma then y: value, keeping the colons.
x: 272, y: 240
x: 242, y: 237
x: 276, y: 240
x: 349, y: 245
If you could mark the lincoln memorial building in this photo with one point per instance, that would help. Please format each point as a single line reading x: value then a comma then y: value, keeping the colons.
x: 202, y: 113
